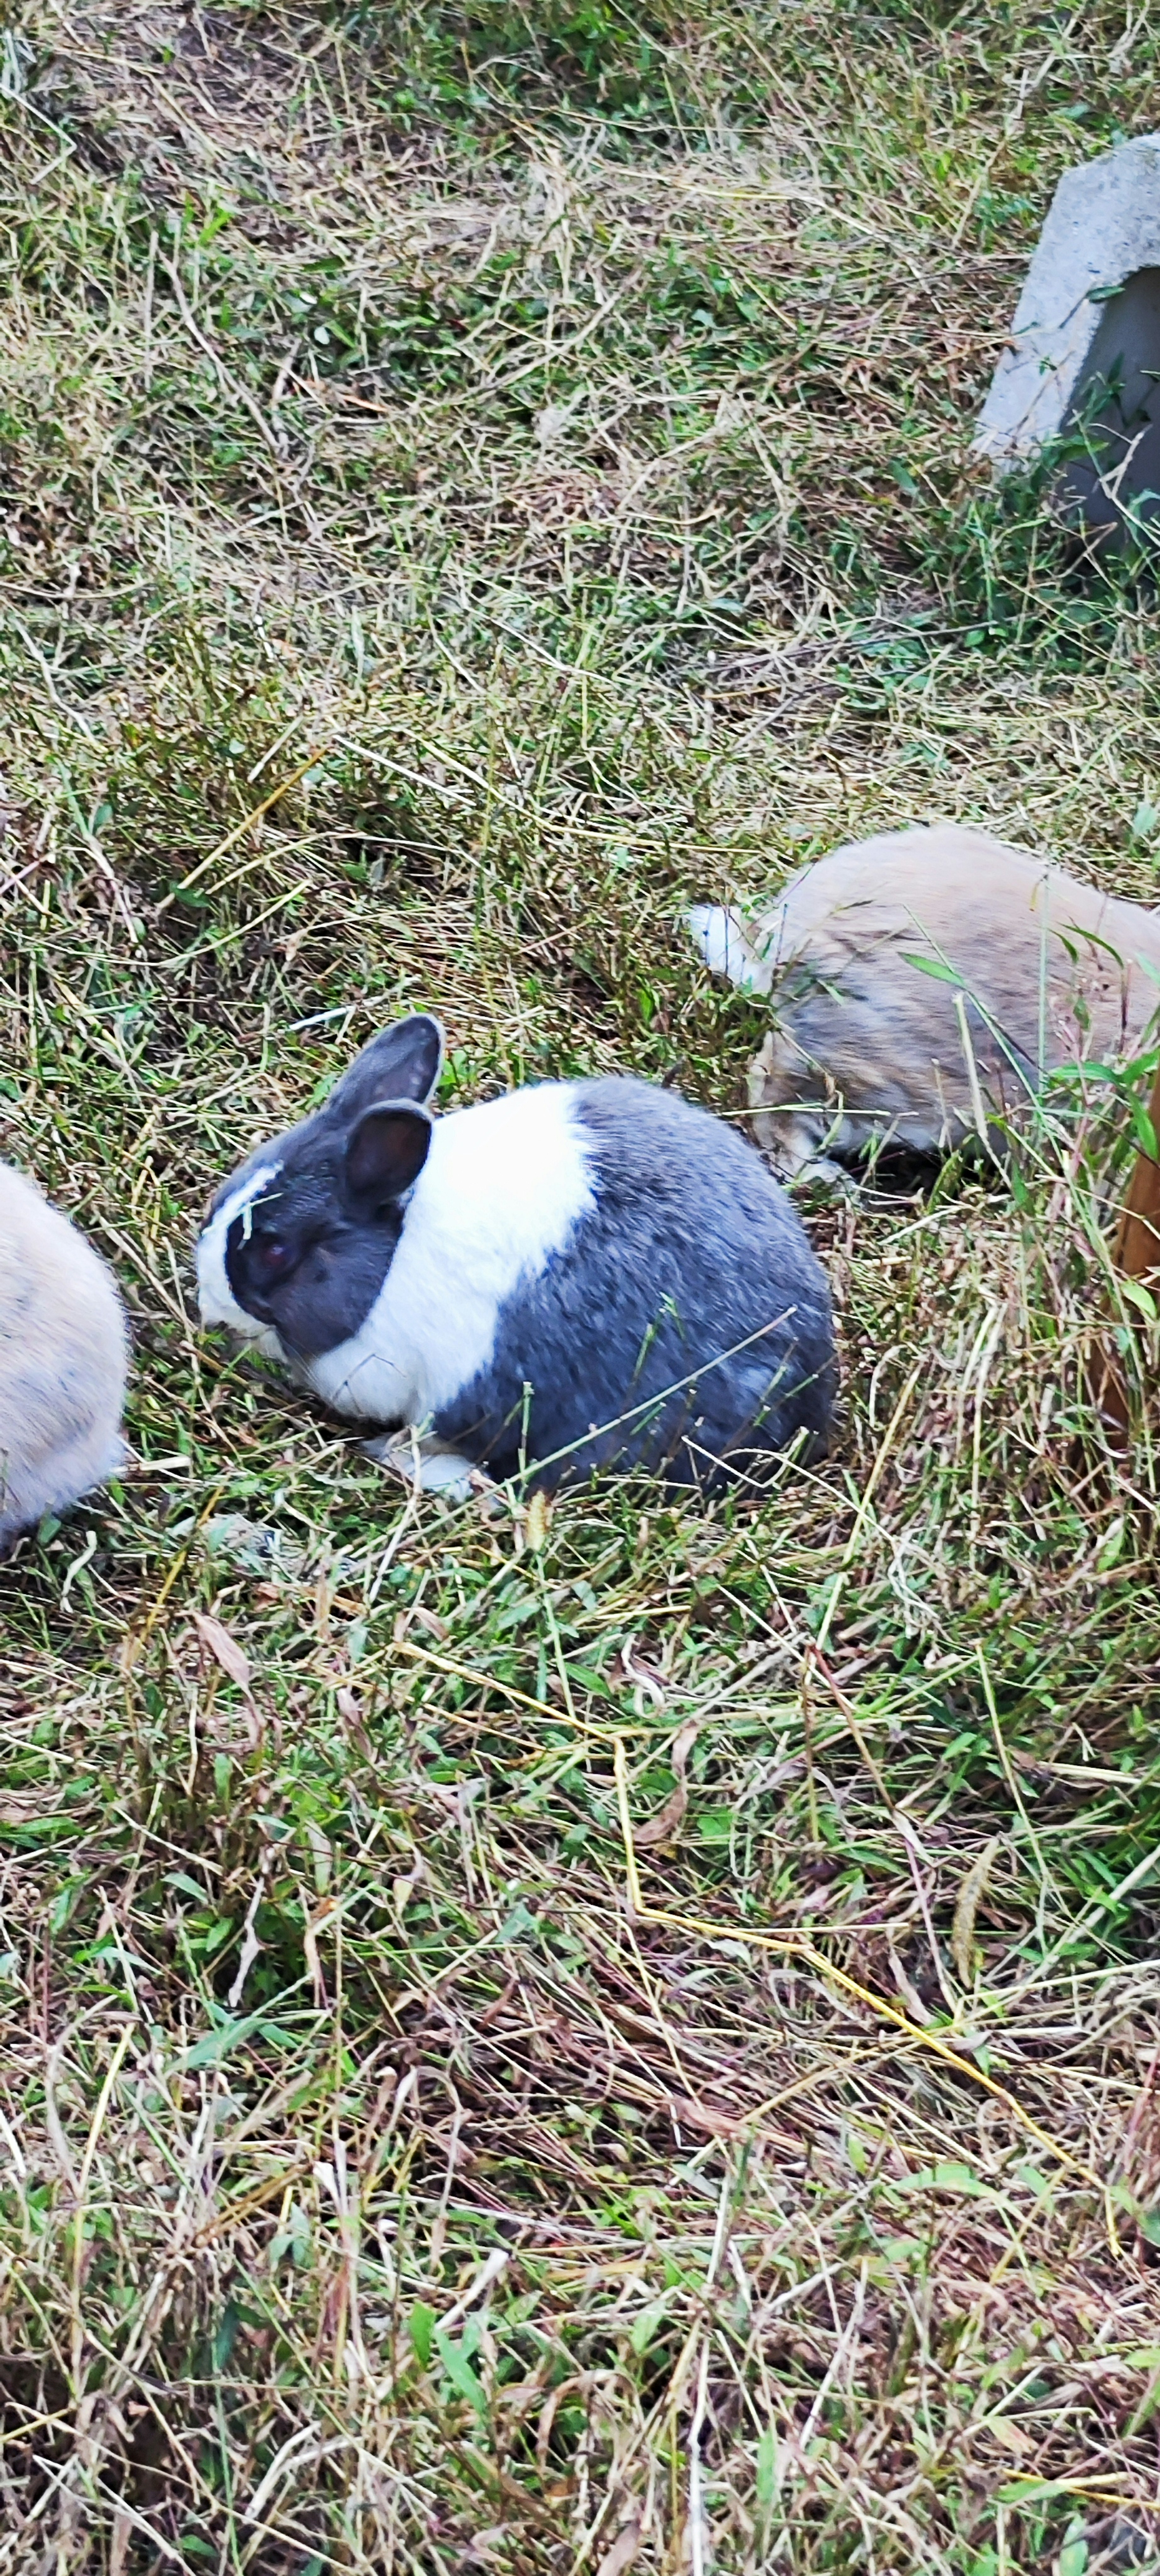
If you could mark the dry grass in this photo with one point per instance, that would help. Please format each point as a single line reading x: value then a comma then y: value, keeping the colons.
x: 537, y: 447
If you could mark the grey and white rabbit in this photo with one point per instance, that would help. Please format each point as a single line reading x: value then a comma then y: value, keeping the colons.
x: 580, y: 1274
x: 867, y: 1044
x: 63, y: 1360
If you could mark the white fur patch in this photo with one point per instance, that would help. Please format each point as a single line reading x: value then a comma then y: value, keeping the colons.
x: 423, y: 1462
x: 500, y: 1192
x: 218, y: 1302
x: 726, y: 948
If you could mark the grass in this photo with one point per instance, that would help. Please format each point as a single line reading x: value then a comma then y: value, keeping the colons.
x: 471, y: 481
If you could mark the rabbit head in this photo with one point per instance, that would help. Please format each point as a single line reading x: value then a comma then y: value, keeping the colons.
x: 300, y: 1239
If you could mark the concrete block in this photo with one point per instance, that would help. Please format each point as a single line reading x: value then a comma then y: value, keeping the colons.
x: 1085, y: 341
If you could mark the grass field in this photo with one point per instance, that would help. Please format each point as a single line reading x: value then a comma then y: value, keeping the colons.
x: 471, y: 482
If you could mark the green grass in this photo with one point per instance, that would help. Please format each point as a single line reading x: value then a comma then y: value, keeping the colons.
x: 537, y: 442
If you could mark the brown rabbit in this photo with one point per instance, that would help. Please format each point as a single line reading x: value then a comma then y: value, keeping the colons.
x: 867, y: 1045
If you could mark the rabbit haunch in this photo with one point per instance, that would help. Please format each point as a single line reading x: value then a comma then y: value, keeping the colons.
x: 63, y: 1360
x: 577, y: 1275
x: 866, y: 1044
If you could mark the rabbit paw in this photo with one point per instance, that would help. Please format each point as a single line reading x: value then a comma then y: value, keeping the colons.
x: 435, y: 1470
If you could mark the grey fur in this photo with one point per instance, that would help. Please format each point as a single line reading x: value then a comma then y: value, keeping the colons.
x: 694, y: 1275
x: 341, y: 1277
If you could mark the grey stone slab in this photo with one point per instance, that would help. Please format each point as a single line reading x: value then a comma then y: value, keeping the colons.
x: 1086, y: 335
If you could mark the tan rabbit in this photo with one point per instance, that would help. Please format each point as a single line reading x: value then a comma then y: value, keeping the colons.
x: 63, y: 1360
x: 866, y: 1045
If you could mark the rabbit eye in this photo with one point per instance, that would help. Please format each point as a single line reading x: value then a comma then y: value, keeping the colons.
x: 271, y: 1254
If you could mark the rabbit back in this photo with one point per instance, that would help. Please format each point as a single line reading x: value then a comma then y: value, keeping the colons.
x: 684, y: 1327
x: 63, y: 1360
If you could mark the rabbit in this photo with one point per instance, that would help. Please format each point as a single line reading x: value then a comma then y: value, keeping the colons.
x: 579, y: 1274
x: 868, y: 1045
x: 64, y: 1358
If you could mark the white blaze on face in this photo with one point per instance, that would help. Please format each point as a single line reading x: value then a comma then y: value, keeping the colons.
x: 218, y: 1302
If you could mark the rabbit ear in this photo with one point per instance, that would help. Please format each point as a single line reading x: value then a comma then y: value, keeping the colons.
x: 402, y: 1063
x: 386, y: 1151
